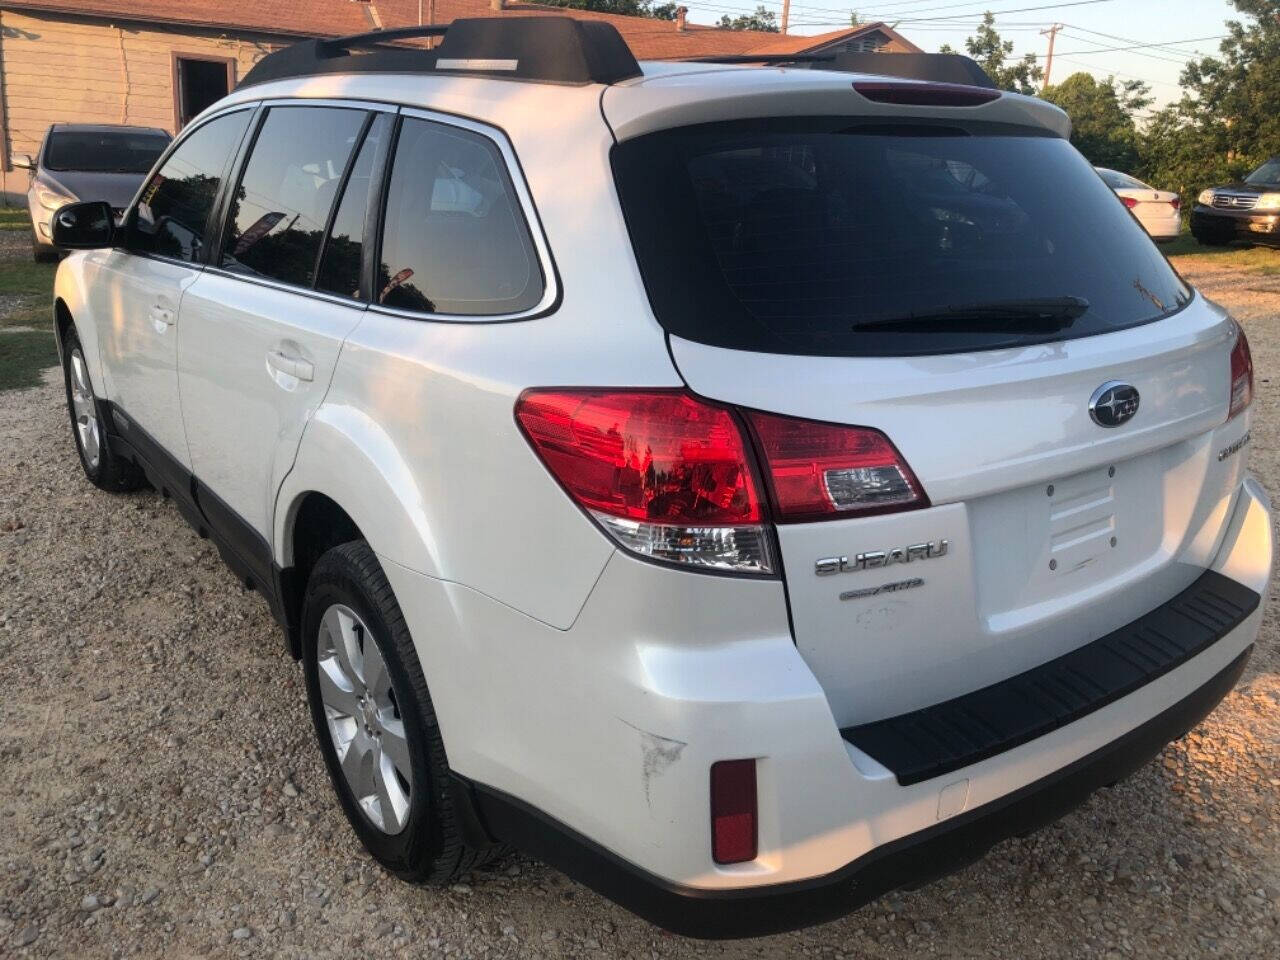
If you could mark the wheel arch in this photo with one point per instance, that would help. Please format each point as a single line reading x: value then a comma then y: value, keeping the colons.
x: 347, y: 482
x: 71, y: 309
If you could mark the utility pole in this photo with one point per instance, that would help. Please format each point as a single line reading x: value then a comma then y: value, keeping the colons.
x: 1052, y: 34
x: 786, y: 13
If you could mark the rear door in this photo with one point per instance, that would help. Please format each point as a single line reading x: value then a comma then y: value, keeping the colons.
x: 917, y: 279
x: 262, y: 327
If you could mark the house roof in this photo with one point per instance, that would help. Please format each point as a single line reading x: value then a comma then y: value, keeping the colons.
x: 649, y: 39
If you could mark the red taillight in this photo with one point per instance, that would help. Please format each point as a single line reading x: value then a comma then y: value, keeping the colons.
x: 913, y: 93
x: 1241, y: 375
x: 667, y: 475
x: 1176, y: 203
x: 734, y: 829
x: 819, y: 471
x: 1129, y: 202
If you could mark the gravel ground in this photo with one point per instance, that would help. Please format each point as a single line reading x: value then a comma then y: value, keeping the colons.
x: 164, y: 796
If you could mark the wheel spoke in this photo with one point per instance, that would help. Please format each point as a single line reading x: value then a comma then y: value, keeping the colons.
x: 392, y: 802
x: 335, y: 691
x: 341, y: 628
x: 376, y: 680
x: 396, y: 746
x: 357, y: 764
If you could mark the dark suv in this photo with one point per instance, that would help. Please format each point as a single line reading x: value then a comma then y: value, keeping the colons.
x: 1247, y: 210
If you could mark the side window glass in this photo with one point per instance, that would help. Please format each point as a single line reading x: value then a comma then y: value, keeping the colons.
x: 343, y: 252
x: 455, y: 239
x: 174, y: 209
x: 281, y: 205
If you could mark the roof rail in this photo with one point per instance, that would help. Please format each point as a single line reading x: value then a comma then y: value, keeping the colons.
x: 550, y: 49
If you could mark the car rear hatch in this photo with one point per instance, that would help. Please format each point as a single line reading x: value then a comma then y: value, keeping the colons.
x: 1053, y: 387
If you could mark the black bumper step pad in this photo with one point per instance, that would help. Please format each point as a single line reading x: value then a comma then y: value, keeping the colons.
x: 951, y: 735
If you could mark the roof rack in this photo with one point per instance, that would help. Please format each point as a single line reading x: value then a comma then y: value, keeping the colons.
x: 550, y: 49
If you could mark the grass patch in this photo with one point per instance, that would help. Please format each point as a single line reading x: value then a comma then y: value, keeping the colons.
x: 27, y: 277
x: 26, y: 294
x: 1190, y: 253
x: 14, y: 218
x: 23, y: 356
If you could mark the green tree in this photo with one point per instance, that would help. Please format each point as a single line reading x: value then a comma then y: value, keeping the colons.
x: 761, y: 19
x: 1228, y: 120
x: 993, y: 54
x: 630, y: 8
x: 1102, y: 112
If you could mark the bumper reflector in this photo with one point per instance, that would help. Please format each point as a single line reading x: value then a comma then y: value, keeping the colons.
x: 733, y: 811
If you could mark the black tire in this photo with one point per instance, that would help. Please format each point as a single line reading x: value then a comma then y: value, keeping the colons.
x: 430, y: 847
x: 110, y: 471
x: 1211, y: 241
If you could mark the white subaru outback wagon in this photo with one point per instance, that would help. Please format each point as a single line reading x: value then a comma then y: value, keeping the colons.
x: 749, y: 489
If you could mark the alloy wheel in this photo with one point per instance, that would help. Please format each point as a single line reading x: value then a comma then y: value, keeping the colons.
x: 363, y: 718
x: 88, y: 429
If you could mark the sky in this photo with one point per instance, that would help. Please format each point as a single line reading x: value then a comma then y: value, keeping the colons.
x: 1091, y: 31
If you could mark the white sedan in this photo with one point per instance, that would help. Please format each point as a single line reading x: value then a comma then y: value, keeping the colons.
x: 1159, y: 211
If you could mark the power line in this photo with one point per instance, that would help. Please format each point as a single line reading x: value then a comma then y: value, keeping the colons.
x: 980, y: 13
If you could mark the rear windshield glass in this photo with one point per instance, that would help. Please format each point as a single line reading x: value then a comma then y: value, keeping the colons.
x: 1121, y: 181
x: 821, y: 236
x: 104, y: 152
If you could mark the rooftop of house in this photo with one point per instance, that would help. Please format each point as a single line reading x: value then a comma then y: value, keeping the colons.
x: 648, y: 38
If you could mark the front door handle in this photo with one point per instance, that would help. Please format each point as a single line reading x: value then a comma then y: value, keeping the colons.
x: 292, y: 366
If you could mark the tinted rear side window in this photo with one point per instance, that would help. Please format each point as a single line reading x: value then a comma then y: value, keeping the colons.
x: 173, y: 211
x: 821, y: 237
x: 281, y: 206
x: 108, y: 151
x: 455, y: 239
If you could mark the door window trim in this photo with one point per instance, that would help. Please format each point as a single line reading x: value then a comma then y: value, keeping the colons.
x: 131, y: 210
x: 550, y: 299
x: 232, y: 182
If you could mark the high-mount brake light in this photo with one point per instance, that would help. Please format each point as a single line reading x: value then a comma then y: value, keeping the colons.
x: 668, y: 476
x: 821, y: 471
x: 1241, y: 375
x: 925, y: 94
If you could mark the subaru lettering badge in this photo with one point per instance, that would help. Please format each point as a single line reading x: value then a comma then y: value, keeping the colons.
x: 1113, y: 403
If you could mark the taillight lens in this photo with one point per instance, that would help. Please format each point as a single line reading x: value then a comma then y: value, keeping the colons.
x: 820, y: 471
x: 1241, y: 374
x: 667, y: 475
x: 1176, y: 203
x: 1129, y: 202
x: 734, y: 826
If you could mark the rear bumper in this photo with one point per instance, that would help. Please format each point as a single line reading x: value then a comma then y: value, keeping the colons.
x: 908, y: 862
x: 591, y: 747
x: 1209, y: 223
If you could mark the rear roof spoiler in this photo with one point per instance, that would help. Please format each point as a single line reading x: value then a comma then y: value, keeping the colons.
x: 550, y: 49
x: 935, y: 67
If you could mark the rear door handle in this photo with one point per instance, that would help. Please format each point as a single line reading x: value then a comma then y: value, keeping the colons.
x: 292, y: 366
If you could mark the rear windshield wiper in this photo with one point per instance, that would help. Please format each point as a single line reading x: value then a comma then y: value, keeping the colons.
x: 1034, y: 315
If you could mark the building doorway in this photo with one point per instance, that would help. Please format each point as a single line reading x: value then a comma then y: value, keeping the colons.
x: 199, y: 82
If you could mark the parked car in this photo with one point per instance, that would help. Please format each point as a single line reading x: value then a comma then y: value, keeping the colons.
x: 755, y: 494
x: 1247, y: 210
x: 78, y: 161
x: 1159, y: 211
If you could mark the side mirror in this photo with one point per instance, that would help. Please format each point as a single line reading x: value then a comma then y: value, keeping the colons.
x: 84, y: 226
x: 23, y: 161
